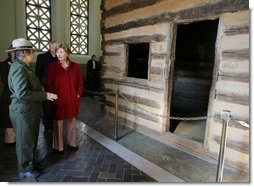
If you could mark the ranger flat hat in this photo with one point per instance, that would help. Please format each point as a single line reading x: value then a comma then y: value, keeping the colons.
x: 21, y: 44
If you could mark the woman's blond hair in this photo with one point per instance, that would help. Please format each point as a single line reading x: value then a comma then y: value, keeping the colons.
x: 64, y: 46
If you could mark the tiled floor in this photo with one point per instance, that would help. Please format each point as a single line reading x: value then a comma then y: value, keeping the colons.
x: 91, y: 163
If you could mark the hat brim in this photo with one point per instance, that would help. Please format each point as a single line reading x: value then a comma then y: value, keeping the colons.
x: 21, y: 49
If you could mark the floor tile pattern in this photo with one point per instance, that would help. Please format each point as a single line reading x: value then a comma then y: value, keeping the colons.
x: 91, y: 163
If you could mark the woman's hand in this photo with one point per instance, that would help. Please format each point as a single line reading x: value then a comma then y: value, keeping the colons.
x: 51, y: 96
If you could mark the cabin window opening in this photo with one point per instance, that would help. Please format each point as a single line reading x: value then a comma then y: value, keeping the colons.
x: 138, y: 60
x: 192, y: 78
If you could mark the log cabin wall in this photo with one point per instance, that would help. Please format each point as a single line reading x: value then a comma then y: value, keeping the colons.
x: 155, y: 21
x: 231, y: 89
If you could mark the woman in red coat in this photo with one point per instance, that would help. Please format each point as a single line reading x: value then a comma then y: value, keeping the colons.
x: 65, y: 79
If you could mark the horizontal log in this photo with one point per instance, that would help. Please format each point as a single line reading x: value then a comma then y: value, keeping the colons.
x: 158, y: 56
x: 110, y: 4
x: 114, y: 69
x: 236, y: 54
x: 157, y: 80
x: 233, y: 99
x: 112, y: 54
x: 129, y: 6
x: 135, y: 83
x: 236, y: 42
x: 136, y: 39
x: 140, y: 121
x: 141, y: 100
x: 131, y: 124
x: 236, y: 19
x: 112, y: 61
x: 115, y: 50
x: 207, y: 10
x: 234, y: 66
x: 133, y: 112
x: 234, y: 77
x: 232, y: 123
x: 238, y: 111
x: 236, y: 31
x: 233, y: 89
x: 157, y: 71
x: 237, y: 146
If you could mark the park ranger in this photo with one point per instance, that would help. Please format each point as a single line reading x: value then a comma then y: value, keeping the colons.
x: 25, y: 107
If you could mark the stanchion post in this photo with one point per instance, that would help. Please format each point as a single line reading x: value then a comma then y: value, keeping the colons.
x: 225, y: 116
x: 116, y: 115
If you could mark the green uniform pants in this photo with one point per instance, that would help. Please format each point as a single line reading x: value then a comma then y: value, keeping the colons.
x: 25, y: 118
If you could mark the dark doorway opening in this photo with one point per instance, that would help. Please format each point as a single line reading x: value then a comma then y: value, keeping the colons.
x: 138, y: 60
x: 193, y: 70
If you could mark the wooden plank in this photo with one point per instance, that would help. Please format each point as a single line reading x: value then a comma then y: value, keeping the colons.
x: 237, y: 110
x: 157, y: 62
x: 158, y: 56
x: 233, y: 123
x: 157, y: 71
x: 136, y: 119
x: 115, y: 51
x: 112, y: 54
x: 236, y: 31
x: 204, y: 10
x: 157, y: 80
x: 112, y: 8
x: 236, y: 19
x: 132, y: 111
x: 233, y: 66
x: 159, y: 48
x: 110, y: 4
x: 149, y: 11
x: 235, y: 159
x: 110, y: 61
x: 136, y: 39
x: 110, y: 74
x: 237, y: 42
x: 126, y: 88
x: 114, y: 69
x: 140, y: 100
x: 238, y: 77
x: 240, y: 54
x: 161, y: 29
x: 233, y: 89
x: 231, y: 99
x: 135, y: 83
x: 241, y: 147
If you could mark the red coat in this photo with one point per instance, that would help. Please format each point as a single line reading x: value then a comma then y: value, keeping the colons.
x: 67, y: 84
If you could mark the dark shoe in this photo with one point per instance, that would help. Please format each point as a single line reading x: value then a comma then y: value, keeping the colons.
x: 73, y: 148
x: 58, y: 152
x: 29, y: 175
x: 39, y: 166
x: 10, y: 144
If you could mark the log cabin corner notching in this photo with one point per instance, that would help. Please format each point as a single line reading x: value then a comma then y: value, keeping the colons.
x: 157, y: 23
